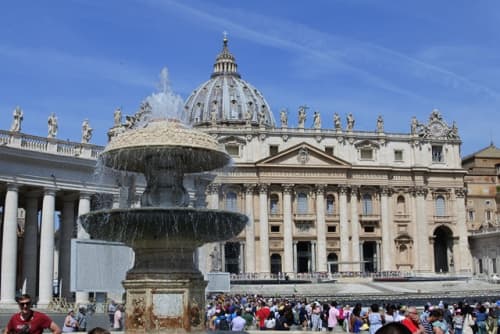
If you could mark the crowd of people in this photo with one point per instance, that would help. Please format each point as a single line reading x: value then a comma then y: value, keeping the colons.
x: 237, y: 313
x: 243, y: 312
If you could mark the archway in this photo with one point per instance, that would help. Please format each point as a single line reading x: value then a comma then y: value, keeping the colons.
x: 303, y: 256
x: 333, y: 264
x: 275, y: 263
x: 232, y: 257
x: 443, y: 249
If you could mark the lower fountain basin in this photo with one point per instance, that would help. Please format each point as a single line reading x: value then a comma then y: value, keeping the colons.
x: 171, y: 225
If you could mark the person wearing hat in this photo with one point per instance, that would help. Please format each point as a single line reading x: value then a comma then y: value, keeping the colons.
x: 28, y: 321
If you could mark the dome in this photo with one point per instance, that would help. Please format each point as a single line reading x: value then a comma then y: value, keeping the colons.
x: 226, y: 99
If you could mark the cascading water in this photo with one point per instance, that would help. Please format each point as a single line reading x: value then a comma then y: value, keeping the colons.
x: 165, y: 291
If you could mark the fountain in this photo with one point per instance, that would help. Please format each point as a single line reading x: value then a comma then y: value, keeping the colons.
x: 165, y: 292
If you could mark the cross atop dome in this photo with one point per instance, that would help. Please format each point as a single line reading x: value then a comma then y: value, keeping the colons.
x: 225, y: 63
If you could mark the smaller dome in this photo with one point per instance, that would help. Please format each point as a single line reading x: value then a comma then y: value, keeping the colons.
x: 226, y: 99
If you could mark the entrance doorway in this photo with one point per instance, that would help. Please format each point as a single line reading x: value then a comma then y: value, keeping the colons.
x: 303, y: 256
x: 369, y: 257
x: 443, y: 249
x: 275, y: 263
x: 333, y: 265
x: 232, y: 257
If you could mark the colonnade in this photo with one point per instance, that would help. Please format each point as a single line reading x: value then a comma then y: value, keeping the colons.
x: 350, y: 236
x: 39, y: 252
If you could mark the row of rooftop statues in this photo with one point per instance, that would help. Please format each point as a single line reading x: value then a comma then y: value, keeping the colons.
x: 435, y: 128
x: 337, y: 123
x: 52, y: 125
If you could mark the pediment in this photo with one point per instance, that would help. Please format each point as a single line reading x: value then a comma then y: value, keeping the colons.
x: 301, y: 155
x: 231, y: 139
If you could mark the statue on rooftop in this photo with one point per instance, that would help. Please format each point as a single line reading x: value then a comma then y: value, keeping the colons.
x: 18, y: 118
x: 284, y: 118
x: 414, y: 125
x: 317, y: 120
x: 52, y: 126
x: 337, y: 122
x: 86, y: 131
x: 380, y: 124
x: 350, y: 122
x: 302, y: 116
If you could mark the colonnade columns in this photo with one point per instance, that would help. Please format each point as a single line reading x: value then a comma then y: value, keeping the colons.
x: 82, y: 298
x: 67, y: 227
x: 249, y: 230
x: 463, y: 260
x: 264, y: 229
x: 387, y: 249
x: 9, y: 247
x: 30, y: 247
x: 320, y: 229
x: 355, y: 229
x: 344, y: 231
x: 313, y: 256
x: 295, y: 256
x: 422, y: 234
x: 46, y: 275
x: 288, y: 255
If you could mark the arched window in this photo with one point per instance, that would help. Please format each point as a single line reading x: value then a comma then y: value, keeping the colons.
x: 367, y: 204
x: 302, y: 206
x: 275, y: 204
x: 231, y: 201
x: 330, y: 205
x: 401, y: 209
x: 440, y: 206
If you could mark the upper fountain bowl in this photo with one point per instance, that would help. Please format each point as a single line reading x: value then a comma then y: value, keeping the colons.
x: 166, y: 144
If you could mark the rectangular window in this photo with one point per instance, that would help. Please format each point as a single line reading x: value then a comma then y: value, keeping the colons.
x: 329, y: 150
x: 275, y: 229
x: 332, y: 229
x: 273, y: 149
x: 366, y: 154
x: 398, y: 155
x: 437, y: 153
x: 233, y: 150
x: 369, y: 229
x: 488, y: 215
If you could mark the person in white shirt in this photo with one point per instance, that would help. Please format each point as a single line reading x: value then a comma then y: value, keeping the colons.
x: 238, y: 323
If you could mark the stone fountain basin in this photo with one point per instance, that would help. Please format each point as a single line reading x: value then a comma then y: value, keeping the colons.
x: 182, y: 158
x: 170, y: 225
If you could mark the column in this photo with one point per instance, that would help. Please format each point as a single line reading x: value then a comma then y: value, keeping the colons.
x: 222, y: 247
x: 30, y: 247
x: 361, y: 256
x: 321, y: 228
x: 313, y: 256
x: 422, y: 234
x: 377, y: 257
x: 46, y: 273
x: 295, y: 257
x: 66, y: 229
x: 463, y: 258
x: 208, y: 254
x: 264, y: 229
x: 288, y: 257
x: 387, y: 249
x: 9, y: 247
x: 355, y: 229
x: 242, y: 258
x: 344, y: 231
x: 249, y: 230
x: 82, y: 298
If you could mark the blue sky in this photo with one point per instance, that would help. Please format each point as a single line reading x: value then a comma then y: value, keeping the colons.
x: 83, y: 58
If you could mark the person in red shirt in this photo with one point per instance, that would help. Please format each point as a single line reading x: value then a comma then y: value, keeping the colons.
x: 412, y: 321
x: 262, y: 313
x: 28, y: 321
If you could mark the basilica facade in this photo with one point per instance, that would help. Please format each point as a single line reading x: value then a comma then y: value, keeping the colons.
x: 322, y: 196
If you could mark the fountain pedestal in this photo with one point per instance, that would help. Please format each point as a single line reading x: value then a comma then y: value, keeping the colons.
x: 165, y: 305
